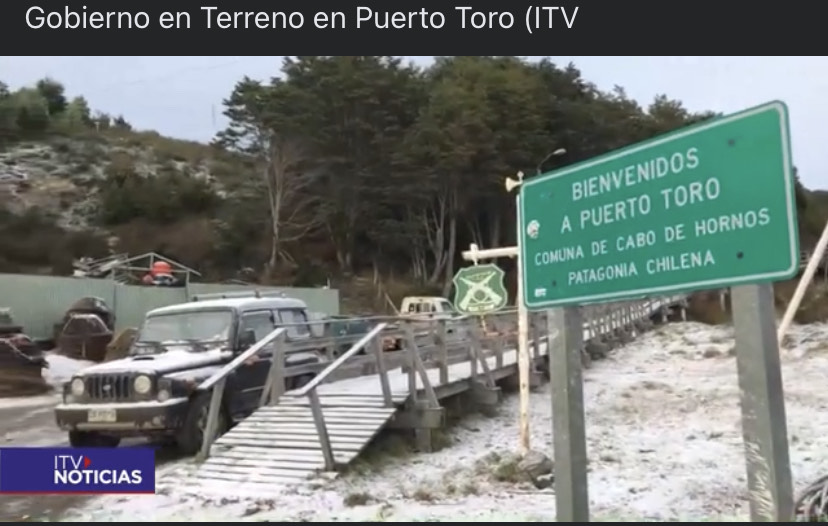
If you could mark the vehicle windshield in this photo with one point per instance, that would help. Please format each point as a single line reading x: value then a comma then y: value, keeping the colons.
x: 185, y: 328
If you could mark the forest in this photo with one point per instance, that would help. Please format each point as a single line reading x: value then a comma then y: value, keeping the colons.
x: 354, y: 164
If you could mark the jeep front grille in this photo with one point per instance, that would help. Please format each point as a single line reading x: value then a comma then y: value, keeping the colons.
x: 109, y: 387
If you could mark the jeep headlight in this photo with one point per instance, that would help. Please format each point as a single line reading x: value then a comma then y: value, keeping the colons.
x: 164, y: 389
x: 142, y: 384
x: 77, y: 387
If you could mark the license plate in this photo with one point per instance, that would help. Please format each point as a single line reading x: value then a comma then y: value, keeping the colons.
x: 102, y: 415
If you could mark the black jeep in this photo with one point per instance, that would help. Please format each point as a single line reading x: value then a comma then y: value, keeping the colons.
x: 153, y: 391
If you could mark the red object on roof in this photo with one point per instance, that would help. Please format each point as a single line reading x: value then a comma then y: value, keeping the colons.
x: 161, y: 267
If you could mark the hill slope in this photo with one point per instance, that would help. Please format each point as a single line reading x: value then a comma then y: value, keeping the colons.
x: 342, y: 167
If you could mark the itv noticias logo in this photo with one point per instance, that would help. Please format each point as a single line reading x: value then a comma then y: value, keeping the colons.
x: 77, y: 471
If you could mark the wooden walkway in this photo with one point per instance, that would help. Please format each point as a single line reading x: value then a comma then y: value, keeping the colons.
x: 286, y: 442
x: 805, y: 257
x: 280, y: 444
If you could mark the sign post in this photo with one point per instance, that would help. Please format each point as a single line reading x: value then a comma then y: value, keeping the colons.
x: 474, y: 255
x: 568, y: 422
x: 707, y: 206
x: 764, y: 424
x: 522, y: 340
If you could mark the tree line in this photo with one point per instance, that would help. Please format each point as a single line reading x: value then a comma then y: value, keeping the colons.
x: 349, y: 164
x: 398, y: 168
x: 29, y: 112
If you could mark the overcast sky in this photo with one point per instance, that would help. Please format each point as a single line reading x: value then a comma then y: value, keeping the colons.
x: 181, y: 96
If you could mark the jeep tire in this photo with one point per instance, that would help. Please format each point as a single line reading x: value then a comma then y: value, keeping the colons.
x: 191, y: 435
x: 92, y: 439
x: 301, y: 381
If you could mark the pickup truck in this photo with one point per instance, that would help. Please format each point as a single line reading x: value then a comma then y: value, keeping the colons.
x: 423, y: 311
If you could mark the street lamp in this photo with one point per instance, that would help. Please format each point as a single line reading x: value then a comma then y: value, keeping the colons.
x: 474, y: 254
x: 511, y: 184
x: 523, y: 313
x: 556, y: 153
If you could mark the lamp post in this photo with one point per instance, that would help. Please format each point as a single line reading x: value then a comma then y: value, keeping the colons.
x: 523, y: 314
x: 474, y: 254
x: 556, y: 153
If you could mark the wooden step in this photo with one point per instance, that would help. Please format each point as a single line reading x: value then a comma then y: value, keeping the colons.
x: 332, y: 390
x: 303, y: 419
x: 341, y: 401
x: 291, y: 408
x: 333, y: 413
x: 298, y: 410
x: 257, y: 452
x: 343, y: 417
x: 288, y: 425
x: 287, y: 443
x: 280, y: 444
x: 308, y: 428
x: 302, y: 439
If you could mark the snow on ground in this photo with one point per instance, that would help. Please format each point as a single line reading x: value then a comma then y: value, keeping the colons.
x: 29, y: 420
x: 23, y: 402
x: 30, y: 426
x: 664, y: 441
x: 62, y: 368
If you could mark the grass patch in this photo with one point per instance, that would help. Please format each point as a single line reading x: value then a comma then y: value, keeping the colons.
x: 390, y: 445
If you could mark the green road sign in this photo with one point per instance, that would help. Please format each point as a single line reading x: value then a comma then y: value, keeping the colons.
x: 479, y: 289
x: 703, y: 207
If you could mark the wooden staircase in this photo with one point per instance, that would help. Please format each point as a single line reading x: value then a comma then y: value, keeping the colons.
x: 279, y: 444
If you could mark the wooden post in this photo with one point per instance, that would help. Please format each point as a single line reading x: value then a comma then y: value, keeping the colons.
x: 569, y: 433
x: 277, y: 370
x: 535, y: 335
x: 382, y: 371
x: 471, y: 334
x: 497, y: 342
x: 764, y: 422
x: 321, y: 430
x: 442, y: 351
x: 479, y: 356
x: 410, y: 349
x: 211, y: 426
x: 802, y: 286
x: 551, y: 331
x: 605, y: 322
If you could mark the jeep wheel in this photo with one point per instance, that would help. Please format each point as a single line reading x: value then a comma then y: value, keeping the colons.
x: 301, y: 381
x: 91, y: 439
x: 191, y: 436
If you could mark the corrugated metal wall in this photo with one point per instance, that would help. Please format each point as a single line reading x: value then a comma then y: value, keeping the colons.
x: 38, y: 302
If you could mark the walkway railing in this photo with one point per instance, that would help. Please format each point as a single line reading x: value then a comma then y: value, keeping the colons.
x: 805, y: 257
x: 425, y: 344
x: 215, y: 384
